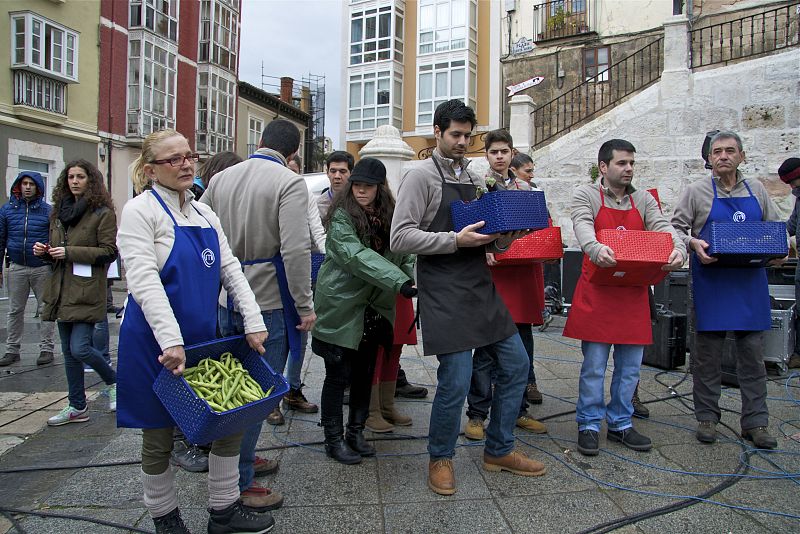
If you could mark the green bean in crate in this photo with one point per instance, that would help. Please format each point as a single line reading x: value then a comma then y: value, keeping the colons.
x: 224, y: 384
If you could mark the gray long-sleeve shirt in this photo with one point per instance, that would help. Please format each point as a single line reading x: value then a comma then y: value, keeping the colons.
x: 694, y: 205
x: 586, y: 204
x: 263, y: 208
x: 418, y: 200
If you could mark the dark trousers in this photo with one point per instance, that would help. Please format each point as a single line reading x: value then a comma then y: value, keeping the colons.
x: 484, y: 365
x: 355, y: 369
x: 707, y: 376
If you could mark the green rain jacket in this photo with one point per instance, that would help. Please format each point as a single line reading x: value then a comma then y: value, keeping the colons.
x: 352, y: 277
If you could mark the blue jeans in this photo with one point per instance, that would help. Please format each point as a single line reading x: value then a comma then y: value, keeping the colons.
x: 484, y: 374
x: 101, y: 340
x: 277, y: 349
x: 591, y: 392
x: 454, y: 373
x: 76, y: 345
x: 294, y: 366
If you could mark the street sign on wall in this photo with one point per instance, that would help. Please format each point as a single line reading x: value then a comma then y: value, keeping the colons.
x: 514, y: 89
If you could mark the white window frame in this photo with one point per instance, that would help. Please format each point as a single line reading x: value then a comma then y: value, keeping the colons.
x: 216, y: 127
x: 157, y: 16
x: 255, y: 127
x: 437, y: 72
x: 436, y: 31
x: 219, y: 34
x: 366, y: 112
x: 378, y: 47
x: 58, y: 60
x: 151, y: 106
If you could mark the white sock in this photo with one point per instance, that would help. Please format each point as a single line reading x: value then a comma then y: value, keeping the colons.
x: 160, y: 495
x: 223, y: 481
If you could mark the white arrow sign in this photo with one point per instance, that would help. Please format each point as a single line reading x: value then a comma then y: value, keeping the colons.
x: 513, y: 89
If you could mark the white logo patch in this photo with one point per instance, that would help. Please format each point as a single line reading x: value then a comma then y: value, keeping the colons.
x: 739, y: 216
x: 208, y: 257
x: 620, y: 227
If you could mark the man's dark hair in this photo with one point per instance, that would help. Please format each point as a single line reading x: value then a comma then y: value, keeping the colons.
x: 341, y: 156
x: 519, y: 160
x: 281, y: 136
x: 498, y: 136
x: 453, y: 110
x: 606, y: 153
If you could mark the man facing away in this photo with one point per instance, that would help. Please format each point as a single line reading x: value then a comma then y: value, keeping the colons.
x: 24, y: 220
x: 727, y: 299
x: 459, y: 307
x: 602, y: 315
x: 263, y: 209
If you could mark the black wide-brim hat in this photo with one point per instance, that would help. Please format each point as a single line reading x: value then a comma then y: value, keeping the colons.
x: 369, y: 171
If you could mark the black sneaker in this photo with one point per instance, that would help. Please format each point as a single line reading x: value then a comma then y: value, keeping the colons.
x: 631, y: 439
x: 189, y: 457
x: 170, y: 523
x: 760, y: 437
x: 588, y: 442
x: 236, y: 519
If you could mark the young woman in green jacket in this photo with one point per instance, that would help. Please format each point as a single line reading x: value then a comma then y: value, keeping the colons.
x: 355, y: 303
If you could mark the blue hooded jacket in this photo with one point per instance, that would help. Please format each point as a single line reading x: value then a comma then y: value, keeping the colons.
x: 24, y: 223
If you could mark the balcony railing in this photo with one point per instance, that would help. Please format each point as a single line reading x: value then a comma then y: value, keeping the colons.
x: 40, y: 92
x: 751, y: 35
x: 600, y: 92
x: 557, y: 19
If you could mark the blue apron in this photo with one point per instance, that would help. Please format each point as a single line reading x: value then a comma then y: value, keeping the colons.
x: 731, y: 298
x: 291, y: 319
x: 191, y: 280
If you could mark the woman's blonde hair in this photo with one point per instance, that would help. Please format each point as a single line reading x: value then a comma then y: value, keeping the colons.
x: 140, y: 181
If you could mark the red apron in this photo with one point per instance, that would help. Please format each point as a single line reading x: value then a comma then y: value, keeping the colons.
x: 403, y: 321
x: 610, y: 314
x: 522, y: 289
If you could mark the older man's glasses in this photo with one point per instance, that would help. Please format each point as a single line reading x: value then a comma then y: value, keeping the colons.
x: 177, y: 161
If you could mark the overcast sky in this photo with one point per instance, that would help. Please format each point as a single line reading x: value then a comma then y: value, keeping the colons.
x: 294, y: 38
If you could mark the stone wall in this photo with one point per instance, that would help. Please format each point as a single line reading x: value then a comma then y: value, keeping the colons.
x: 759, y: 99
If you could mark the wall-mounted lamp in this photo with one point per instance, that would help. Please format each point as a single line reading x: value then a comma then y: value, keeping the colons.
x: 101, y: 151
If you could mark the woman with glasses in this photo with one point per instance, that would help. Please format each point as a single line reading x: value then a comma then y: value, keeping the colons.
x: 176, y: 257
x: 82, y: 244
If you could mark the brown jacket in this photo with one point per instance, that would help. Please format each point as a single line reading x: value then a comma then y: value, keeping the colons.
x: 93, y: 241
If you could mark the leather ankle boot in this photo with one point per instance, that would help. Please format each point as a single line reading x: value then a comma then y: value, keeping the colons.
x: 355, y: 430
x: 335, y: 447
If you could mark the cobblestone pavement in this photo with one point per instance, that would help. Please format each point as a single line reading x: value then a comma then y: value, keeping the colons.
x: 739, y: 490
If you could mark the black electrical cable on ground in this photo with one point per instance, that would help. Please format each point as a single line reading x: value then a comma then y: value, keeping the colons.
x: 608, y: 526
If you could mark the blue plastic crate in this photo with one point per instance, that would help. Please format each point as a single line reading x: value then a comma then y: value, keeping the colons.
x: 503, y: 211
x: 316, y: 263
x: 199, y: 423
x: 745, y: 244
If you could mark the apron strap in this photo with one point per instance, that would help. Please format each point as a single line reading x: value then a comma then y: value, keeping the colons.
x: 164, y: 205
x: 291, y: 318
x: 269, y: 158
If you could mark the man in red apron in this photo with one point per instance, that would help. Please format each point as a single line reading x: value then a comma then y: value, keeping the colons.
x: 727, y: 299
x: 522, y: 289
x: 602, y: 316
x: 459, y: 307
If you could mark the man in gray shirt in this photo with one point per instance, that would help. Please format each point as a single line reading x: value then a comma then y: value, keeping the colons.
x: 459, y: 307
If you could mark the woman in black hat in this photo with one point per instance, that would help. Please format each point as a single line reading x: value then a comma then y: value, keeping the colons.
x: 355, y: 303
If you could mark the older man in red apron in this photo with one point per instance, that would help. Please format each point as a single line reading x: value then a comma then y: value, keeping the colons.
x: 727, y: 299
x: 602, y: 316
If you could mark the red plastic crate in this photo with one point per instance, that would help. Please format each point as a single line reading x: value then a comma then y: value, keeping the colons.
x: 541, y: 245
x: 640, y: 256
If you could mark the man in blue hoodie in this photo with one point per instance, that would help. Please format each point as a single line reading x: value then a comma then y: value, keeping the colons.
x: 24, y: 220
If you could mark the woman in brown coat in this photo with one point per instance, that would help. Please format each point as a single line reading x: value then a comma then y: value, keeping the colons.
x: 82, y: 243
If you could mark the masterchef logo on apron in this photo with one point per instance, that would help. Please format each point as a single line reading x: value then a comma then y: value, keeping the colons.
x: 208, y: 257
x: 739, y: 216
